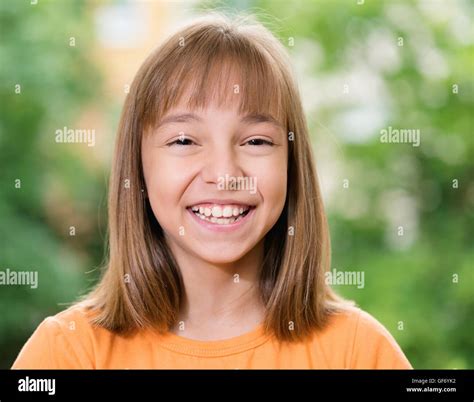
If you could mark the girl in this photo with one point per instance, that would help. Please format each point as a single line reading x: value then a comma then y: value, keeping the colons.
x: 218, y: 237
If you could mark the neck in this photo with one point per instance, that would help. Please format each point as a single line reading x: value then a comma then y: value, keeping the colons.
x: 221, y: 300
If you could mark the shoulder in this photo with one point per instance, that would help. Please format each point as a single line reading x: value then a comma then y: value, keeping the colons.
x: 359, y: 340
x: 65, y: 340
x: 66, y: 319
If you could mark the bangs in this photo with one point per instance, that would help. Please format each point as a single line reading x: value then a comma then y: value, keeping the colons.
x: 216, y: 66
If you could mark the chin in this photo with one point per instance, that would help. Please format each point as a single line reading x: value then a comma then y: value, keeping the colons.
x: 221, y: 255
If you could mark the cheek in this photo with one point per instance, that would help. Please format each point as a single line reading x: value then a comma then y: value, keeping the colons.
x: 272, y: 185
x: 165, y: 184
x: 273, y: 189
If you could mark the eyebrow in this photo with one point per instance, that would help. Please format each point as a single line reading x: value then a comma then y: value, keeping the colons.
x: 253, y: 118
x: 179, y: 118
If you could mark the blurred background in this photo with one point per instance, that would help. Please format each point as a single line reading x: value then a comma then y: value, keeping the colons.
x: 401, y: 214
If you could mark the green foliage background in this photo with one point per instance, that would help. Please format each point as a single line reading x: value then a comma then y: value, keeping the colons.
x: 412, y: 283
x: 56, y: 81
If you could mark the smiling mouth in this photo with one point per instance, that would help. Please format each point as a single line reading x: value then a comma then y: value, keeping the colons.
x: 220, y: 214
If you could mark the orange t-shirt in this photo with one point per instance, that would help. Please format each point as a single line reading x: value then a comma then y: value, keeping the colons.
x: 353, y: 339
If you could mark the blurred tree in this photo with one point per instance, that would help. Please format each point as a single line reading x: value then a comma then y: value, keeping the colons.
x: 44, y: 80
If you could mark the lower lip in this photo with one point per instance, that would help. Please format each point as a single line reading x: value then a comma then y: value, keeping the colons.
x: 229, y: 227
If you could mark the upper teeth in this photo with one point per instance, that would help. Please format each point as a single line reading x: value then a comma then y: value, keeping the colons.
x: 219, y: 211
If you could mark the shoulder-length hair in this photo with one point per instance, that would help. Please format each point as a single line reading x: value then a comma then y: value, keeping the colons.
x: 142, y: 286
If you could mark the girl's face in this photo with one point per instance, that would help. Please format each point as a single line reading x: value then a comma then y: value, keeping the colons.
x: 216, y: 180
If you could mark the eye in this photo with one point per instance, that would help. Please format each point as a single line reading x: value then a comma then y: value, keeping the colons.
x: 259, y: 141
x: 181, y: 142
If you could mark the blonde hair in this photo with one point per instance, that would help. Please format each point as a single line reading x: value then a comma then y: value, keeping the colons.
x: 142, y: 286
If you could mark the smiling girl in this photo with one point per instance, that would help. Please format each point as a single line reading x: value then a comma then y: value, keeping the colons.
x: 202, y: 274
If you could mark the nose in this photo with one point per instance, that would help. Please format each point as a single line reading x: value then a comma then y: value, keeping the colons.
x: 222, y: 160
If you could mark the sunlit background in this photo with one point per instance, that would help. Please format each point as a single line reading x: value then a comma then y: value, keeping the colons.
x: 399, y: 213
